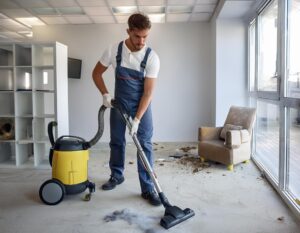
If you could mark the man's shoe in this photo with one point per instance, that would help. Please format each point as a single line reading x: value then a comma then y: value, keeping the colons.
x: 152, y: 197
x: 112, y: 183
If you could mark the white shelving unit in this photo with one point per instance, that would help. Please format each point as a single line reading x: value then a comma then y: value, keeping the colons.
x: 33, y: 92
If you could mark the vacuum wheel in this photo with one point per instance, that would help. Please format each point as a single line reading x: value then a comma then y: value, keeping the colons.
x: 52, y: 192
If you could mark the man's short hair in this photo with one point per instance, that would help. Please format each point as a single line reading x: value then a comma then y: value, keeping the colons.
x: 139, y: 21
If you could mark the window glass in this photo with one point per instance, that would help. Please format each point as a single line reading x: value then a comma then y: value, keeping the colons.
x: 267, y: 75
x: 293, y: 79
x: 267, y: 136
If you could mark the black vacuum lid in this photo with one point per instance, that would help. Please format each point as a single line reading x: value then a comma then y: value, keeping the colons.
x: 70, y: 143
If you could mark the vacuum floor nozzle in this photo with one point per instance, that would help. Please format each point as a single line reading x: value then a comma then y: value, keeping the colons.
x: 174, y: 215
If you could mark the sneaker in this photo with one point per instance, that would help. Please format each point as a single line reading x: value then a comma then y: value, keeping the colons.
x: 152, y: 197
x: 112, y: 183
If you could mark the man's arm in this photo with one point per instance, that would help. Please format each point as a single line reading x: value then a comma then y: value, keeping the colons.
x: 98, y: 79
x: 146, y: 98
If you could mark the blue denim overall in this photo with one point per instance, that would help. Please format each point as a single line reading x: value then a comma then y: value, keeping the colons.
x: 129, y: 87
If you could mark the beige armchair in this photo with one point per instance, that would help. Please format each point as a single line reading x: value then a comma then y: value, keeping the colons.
x: 230, y: 144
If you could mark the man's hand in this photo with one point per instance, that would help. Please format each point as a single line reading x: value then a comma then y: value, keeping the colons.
x: 134, y: 126
x: 107, y: 100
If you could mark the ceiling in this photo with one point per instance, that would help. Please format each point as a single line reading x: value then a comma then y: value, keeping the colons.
x: 17, y: 17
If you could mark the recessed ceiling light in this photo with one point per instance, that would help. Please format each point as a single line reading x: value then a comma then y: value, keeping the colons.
x: 124, y: 9
x: 157, y: 18
x: 45, y: 11
x: 26, y: 33
x: 152, y: 9
x: 70, y: 10
x: 30, y: 21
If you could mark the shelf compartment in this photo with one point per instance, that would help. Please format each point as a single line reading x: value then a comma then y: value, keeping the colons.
x: 40, y: 126
x: 6, y: 79
x: 6, y: 55
x: 23, y: 78
x: 24, y: 103
x: 43, y: 55
x: 25, y: 133
x: 7, y: 129
x: 43, y: 103
x: 25, y: 154
x: 23, y: 55
x: 7, y: 104
x: 7, y: 153
x: 41, y: 154
x: 43, y: 79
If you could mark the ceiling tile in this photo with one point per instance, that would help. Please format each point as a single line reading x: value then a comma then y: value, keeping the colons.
x: 97, y: 10
x: 178, y: 17
x: 7, y: 4
x: 91, y: 2
x: 205, y: 8
x: 62, y: 3
x: 54, y: 20
x: 151, y: 2
x: 201, y: 17
x: 180, y: 9
x: 32, y: 3
x: 121, y: 2
x: 122, y: 18
x: 103, y: 19
x: 181, y: 2
x: 15, y: 13
x: 80, y: 19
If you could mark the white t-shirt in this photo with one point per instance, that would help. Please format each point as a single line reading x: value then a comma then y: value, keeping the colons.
x: 132, y: 60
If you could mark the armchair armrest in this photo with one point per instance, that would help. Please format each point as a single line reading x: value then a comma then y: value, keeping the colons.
x: 209, y: 133
x: 234, y: 138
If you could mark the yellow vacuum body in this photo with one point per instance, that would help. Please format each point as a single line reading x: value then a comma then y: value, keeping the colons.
x: 70, y: 167
x: 69, y: 156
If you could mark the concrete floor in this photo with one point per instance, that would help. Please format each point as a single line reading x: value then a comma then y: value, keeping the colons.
x: 234, y: 202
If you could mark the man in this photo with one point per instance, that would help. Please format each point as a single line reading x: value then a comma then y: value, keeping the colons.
x: 136, y: 69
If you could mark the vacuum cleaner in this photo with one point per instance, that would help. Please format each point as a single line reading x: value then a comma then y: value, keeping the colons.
x: 173, y: 214
x: 69, y: 157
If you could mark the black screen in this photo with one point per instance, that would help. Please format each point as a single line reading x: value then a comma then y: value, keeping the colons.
x: 74, y: 68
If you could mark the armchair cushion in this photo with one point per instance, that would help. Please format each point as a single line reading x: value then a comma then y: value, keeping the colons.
x: 234, y: 138
x: 228, y: 127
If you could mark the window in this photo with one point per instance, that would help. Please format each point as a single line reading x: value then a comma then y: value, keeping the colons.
x: 274, y: 51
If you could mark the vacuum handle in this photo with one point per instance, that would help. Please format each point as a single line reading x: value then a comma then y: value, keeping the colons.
x: 50, y: 132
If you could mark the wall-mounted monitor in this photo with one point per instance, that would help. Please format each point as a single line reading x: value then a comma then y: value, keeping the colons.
x: 74, y: 68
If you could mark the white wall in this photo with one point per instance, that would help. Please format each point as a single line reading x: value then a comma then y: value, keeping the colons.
x: 183, y: 95
x: 231, y: 67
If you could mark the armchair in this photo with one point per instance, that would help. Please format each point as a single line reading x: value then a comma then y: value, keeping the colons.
x: 230, y: 144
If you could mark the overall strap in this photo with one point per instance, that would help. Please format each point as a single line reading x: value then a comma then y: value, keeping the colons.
x: 119, y: 55
x: 144, y: 62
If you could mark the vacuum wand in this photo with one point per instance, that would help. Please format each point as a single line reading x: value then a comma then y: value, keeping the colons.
x: 173, y: 214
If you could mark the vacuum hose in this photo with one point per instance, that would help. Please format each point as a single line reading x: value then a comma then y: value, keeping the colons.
x: 100, y: 130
